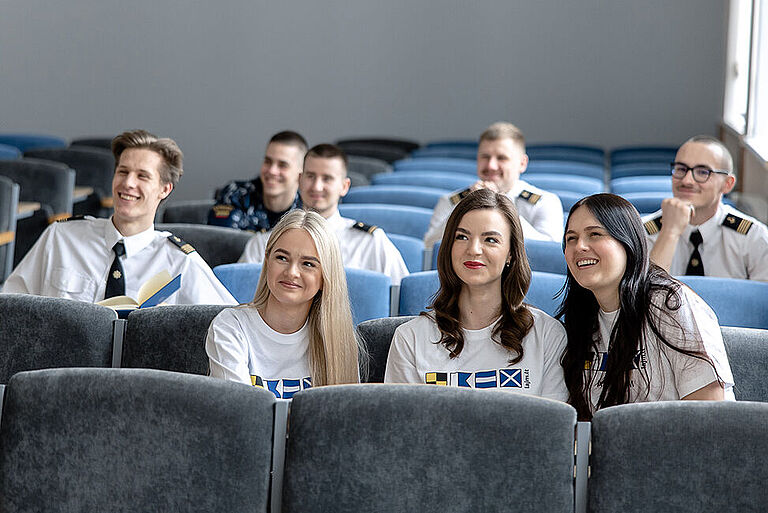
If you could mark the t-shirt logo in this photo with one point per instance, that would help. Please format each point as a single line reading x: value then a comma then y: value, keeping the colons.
x: 282, y: 388
x: 495, y: 378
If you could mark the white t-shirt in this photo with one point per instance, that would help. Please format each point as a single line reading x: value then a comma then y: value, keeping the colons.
x: 415, y: 356
x: 242, y: 347
x: 360, y: 248
x: 672, y: 375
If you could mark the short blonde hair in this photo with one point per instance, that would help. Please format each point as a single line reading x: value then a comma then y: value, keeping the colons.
x: 503, y: 130
x: 333, y: 351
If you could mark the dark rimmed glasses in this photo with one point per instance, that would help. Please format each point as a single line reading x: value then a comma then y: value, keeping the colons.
x: 700, y: 173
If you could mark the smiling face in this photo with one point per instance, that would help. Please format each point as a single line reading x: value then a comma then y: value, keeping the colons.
x: 137, y: 189
x: 501, y: 161
x: 705, y: 197
x: 322, y: 184
x: 480, y: 248
x: 294, y: 274
x: 280, y: 170
x: 596, y: 260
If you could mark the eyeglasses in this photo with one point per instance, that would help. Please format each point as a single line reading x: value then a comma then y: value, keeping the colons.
x: 700, y: 173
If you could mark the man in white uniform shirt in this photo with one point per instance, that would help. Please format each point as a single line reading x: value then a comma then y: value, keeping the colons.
x: 322, y: 184
x: 86, y: 259
x: 501, y: 159
x: 695, y: 233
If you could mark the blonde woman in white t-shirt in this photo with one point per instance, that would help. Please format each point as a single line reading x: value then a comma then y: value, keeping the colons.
x: 634, y: 332
x: 479, y: 334
x: 297, y: 332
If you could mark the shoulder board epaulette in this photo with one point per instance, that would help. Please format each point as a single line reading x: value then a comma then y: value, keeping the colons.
x: 733, y: 222
x: 653, y: 226
x: 530, y: 197
x: 460, y: 195
x: 368, y: 228
x: 222, y: 210
x: 184, y: 246
x: 71, y: 218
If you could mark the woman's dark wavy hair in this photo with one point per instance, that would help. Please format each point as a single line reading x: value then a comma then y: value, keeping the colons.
x: 642, y: 280
x: 516, y: 318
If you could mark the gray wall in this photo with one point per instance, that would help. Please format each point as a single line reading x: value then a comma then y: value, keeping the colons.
x: 220, y: 78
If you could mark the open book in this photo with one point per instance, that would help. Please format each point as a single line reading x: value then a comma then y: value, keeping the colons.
x: 154, y: 291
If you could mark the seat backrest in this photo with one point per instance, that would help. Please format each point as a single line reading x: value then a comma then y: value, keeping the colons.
x: 447, y: 165
x: 104, y: 143
x: 94, y: 167
x: 647, y: 202
x: 190, y: 212
x: 216, y: 244
x: 641, y: 184
x: 543, y: 289
x: 394, y: 446
x: 417, y: 291
x: 562, y: 167
x: 386, y: 153
x: 641, y: 169
x: 8, y: 152
x: 455, y: 152
x: 367, y: 166
x: 9, y: 201
x: 411, y: 249
x: 170, y: 337
x: 568, y: 198
x: 406, y: 145
x: 585, y: 185
x: 567, y: 152
x: 357, y: 179
x: 435, y: 179
x: 369, y: 293
x: 454, y: 143
x: 748, y: 355
x: 546, y: 256
x: 43, y: 332
x: 26, y: 142
x: 682, y: 456
x: 643, y: 154
x: 77, y: 440
x: 376, y: 334
x: 741, y: 303
x: 43, y: 181
x: 405, y: 220
x: 409, y: 195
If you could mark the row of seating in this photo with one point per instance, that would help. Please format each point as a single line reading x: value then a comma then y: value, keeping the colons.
x: 112, y: 439
x: 172, y: 338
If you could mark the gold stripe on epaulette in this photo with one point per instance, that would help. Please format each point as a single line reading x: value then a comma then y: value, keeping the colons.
x: 653, y: 226
x: 59, y: 217
x: 738, y: 224
x: 530, y: 197
x: 187, y: 248
x: 7, y: 237
x: 460, y: 195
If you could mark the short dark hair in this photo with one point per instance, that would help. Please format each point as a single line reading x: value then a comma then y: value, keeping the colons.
x: 727, y: 161
x: 290, y: 138
x: 327, y: 151
x: 173, y: 158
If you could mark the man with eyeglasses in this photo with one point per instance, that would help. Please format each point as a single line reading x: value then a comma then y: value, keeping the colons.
x: 695, y: 233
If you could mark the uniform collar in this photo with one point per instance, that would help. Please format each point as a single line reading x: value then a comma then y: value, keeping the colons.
x: 133, y: 244
x: 518, y: 188
x: 336, y: 222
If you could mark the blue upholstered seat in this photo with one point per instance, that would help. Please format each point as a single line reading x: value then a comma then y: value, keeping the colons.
x: 651, y: 183
x: 585, y: 185
x: 641, y: 169
x: 643, y: 154
x: 411, y: 249
x: 448, y: 165
x: 647, y: 202
x: 8, y: 152
x: 438, y: 179
x: 409, y: 195
x: 451, y: 152
x: 561, y: 167
x: 26, y: 142
x: 405, y: 220
x: 741, y: 303
x: 567, y: 152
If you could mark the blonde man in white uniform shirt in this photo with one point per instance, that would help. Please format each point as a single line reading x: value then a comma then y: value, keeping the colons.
x: 694, y: 232
x: 501, y: 159
x: 322, y: 184
x: 77, y: 258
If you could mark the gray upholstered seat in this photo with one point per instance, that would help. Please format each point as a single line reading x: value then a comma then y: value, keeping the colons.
x: 216, y: 244
x: 75, y: 440
x: 376, y: 447
x: 43, y: 332
x: 48, y: 183
x: 681, y: 456
x: 748, y: 355
x: 367, y: 166
x: 170, y: 337
x: 94, y: 167
x: 9, y: 200
x: 191, y: 211
x: 376, y: 334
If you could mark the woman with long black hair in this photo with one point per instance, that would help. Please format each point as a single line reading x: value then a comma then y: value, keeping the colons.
x: 634, y: 332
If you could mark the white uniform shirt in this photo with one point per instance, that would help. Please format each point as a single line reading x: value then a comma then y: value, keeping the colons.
x: 541, y: 214
x: 725, y: 252
x: 672, y: 375
x: 242, y: 347
x: 72, y: 259
x: 416, y: 357
x: 359, y: 249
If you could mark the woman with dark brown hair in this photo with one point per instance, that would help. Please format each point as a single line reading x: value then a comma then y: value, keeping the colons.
x: 478, y: 333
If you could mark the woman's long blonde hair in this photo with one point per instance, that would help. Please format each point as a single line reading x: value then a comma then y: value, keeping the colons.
x: 333, y: 347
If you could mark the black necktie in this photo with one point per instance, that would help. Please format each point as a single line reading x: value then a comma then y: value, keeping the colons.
x: 116, y: 277
x: 695, y: 267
